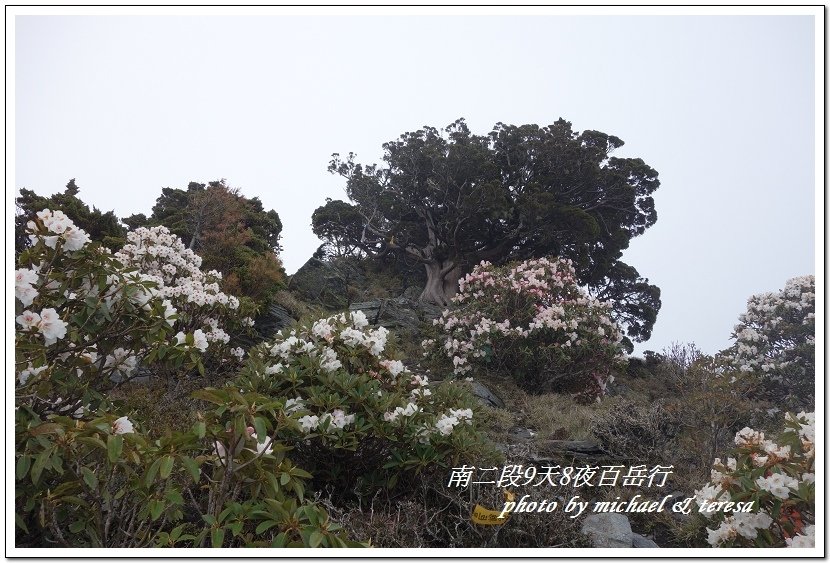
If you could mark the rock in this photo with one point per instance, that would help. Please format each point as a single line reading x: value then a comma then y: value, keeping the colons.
x: 412, y: 293
x: 399, y: 314
x: 618, y: 389
x: 608, y: 530
x: 326, y: 282
x: 521, y: 433
x: 369, y: 308
x: 273, y: 320
x: 574, y: 447
x: 641, y: 541
x: 486, y: 396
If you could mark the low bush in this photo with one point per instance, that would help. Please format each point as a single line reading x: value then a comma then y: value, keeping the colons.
x: 643, y: 433
x: 359, y: 418
x: 89, y: 475
x: 531, y: 321
x: 777, y: 477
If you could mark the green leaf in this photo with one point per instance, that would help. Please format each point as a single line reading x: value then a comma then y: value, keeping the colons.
x: 151, y: 472
x: 259, y: 427
x: 211, y: 396
x: 166, y: 466
x: 393, y: 480
x: 315, y: 539
x: 217, y: 536
x: 156, y: 508
x: 46, y: 428
x: 192, y: 467
x: 284, y: 479
x: 22, y: 468
x: 40, y: 462
x: 114, y: 446
x: 268, y: 524
x: 280, y: 540
x: 19, y: 522
x: 76, y: 526
x: 199, y: 429
x: 89, y: 478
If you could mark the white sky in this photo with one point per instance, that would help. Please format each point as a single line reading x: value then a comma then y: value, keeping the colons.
x: 723, y: 107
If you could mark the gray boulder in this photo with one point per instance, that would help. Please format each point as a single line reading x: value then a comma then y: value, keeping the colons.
x: 640, y: 541
x: 326, y: 282
x: 578, y: 448
x: 486, y: 397
x: 273, y: 320
x: 608, y: 530
x: 399, y: 314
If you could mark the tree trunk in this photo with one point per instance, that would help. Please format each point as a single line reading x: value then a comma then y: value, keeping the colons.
x: 442, y: 282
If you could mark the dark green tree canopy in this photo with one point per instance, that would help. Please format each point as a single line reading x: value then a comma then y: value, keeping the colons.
x: 340, y: 225
x: 232, y: 233
x: 102, y: 227
x: 449, y: 199
x: 192, y: 212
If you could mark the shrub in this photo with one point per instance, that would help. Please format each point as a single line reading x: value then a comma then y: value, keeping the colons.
x: 777, y: 477
x: 639, y: 432
x: 775, y: 342
x: 532, y: 321
x: 201, y: 306
x: 85, y: 321
x: 358, y: 417
x: 86, y: 476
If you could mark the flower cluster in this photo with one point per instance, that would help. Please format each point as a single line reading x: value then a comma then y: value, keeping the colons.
x: 46, y: 323
x: 83, y: 315
x: 61, y: 232
x: 347, y: 396
x: 195, y: 296
x: 775, y: 341
x: 777, y: 477
x: 533, y: 320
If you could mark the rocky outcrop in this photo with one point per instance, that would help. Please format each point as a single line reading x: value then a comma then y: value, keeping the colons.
x: 578, y: 448
x: 325, y: 283
x: 400, y: 314
x: 641, y: 541
x: 608, y: 530
x: 273, y: 320
x: 485, y: 396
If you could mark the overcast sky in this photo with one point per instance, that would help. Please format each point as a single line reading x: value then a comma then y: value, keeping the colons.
x: 723, y: 107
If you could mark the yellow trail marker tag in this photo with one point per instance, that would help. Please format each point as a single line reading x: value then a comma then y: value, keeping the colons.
x: 486, y: 517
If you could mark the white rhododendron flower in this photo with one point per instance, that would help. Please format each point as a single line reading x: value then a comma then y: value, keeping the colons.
x: 122, y: 426
x: 309, y: 422
x: 24, y: 375
x: 337, y: 419
x: 264, y: 448
x: 200, y: 340
x: 777, y: 484
x: 28, y: 320
x: 329, y: 361
x: 121, y: 362
x: 806, y: 539
x: 395, y: 367
x: 51, y: 326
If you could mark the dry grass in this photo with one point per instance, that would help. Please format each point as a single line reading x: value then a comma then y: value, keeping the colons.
x: 438, y: 516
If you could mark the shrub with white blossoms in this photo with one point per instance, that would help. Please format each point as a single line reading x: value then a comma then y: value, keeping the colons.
x: 775, y: 342
x: 355, y: 414
x: 87, y: 477
x: 84, y: 320
x: 777, y: 477
x: 202, y: 308
x: 533, y: 322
